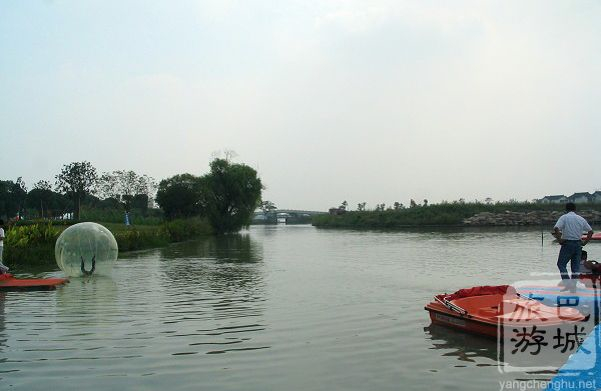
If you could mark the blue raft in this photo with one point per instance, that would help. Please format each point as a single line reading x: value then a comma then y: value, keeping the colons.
x: 582, y: 371
x: 554, y: 297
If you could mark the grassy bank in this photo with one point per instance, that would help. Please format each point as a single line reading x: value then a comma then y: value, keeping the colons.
x: 446, y: 214
x: 34, y: 243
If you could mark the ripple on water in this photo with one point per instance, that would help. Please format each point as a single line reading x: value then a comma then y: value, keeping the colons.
x: 277, y: 308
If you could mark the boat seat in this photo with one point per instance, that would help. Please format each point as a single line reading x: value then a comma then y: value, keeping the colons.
x: 489, y: 311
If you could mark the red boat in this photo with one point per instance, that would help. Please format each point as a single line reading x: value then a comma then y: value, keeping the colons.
x: 487, y: 310
x: 10, y: 283
x: 594, y: 238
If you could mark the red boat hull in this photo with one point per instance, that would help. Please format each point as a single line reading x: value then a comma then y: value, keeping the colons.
x: 595, y: 237
x: 456, y: 321
x: 490, y: 310
x: 10, y: 283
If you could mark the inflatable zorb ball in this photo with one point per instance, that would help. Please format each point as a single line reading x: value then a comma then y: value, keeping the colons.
x: 86, y: 249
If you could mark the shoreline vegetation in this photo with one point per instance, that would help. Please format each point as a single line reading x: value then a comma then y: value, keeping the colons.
x: 460, y: 214
x: 33, y: 242
x: 219, y: 202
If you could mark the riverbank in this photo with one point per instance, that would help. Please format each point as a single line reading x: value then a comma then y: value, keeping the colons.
x: 456, y: 214
x: 34, y: 243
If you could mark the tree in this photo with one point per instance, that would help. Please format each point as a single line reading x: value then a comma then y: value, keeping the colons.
x: 343, y: 205
x: 178, y: 196
x: 125, y: 186
x: 47, y: 202
x: 412, y: 204
x: 229, y: 194
x: 397, y: 205
x: 227, y: 154
x: 425, y: 202
x: 140, y: 202
x: 108, y: 203
x: 361, y: 206
x: 12, y: 197
x: 42, y: 185
x: 267, y: 207
x: 76, y: 180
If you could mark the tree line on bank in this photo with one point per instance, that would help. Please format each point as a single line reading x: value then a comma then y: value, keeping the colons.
x: 77, y: 184
x: 443, y: 214
x: 226, y: 196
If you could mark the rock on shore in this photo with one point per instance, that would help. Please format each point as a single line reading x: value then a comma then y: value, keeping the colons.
x: 526, y: 218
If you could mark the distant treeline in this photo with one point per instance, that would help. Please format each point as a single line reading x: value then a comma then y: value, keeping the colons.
x: 226, y: 196
x: 444, y: 214
x: 77, y: 187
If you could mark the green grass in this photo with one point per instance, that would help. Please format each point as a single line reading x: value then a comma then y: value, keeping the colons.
x: 33, y: 244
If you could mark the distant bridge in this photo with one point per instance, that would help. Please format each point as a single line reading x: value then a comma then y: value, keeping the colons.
x: 285, y: 216
x: 298, y: 212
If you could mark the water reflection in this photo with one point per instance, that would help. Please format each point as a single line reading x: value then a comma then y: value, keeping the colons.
x: 90, y: 299
x: 216, y: 264
x: 466, y: 348
x: 215, y: 294
x: 231, y: 248
x: 45, y: 269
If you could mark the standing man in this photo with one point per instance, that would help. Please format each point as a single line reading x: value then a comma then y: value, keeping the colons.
x: 3, y: 269
x: 568, y: 231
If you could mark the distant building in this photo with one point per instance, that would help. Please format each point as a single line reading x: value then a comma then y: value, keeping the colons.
x: 580, y: 198
x: 596, y: 197
x: 554, y: 199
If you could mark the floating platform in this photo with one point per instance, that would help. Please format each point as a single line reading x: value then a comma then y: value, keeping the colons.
x: 10, y: 283
x: 582, y: 371
x: 554, y: 296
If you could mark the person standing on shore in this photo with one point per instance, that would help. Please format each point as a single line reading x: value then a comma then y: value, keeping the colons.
x: 568, y: 232
x: 3, y: 269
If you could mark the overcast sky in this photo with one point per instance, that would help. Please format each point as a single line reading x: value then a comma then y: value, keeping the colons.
x: 330, y: 100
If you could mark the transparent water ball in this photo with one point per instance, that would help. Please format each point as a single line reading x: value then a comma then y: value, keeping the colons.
x: 86, y: 249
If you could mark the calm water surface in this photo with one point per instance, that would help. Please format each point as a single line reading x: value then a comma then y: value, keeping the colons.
x: 274, y: 308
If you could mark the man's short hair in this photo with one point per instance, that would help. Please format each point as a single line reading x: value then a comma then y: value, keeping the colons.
x: 570, y: 206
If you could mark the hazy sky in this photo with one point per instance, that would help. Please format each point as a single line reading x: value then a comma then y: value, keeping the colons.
x: 330, y: 100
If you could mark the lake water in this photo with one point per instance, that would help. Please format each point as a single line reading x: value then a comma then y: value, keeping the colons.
x: 273, y: 308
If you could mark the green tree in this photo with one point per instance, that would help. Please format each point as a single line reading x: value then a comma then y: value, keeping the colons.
x: 76, y: 180
x: 12, y: 198
x: 47, y: 202
x: 178, y: 196
x: 125, y: 186
x: 42, y: 185
x: 267, y: 207
x: 140, y: 202
x: 229, y: 194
